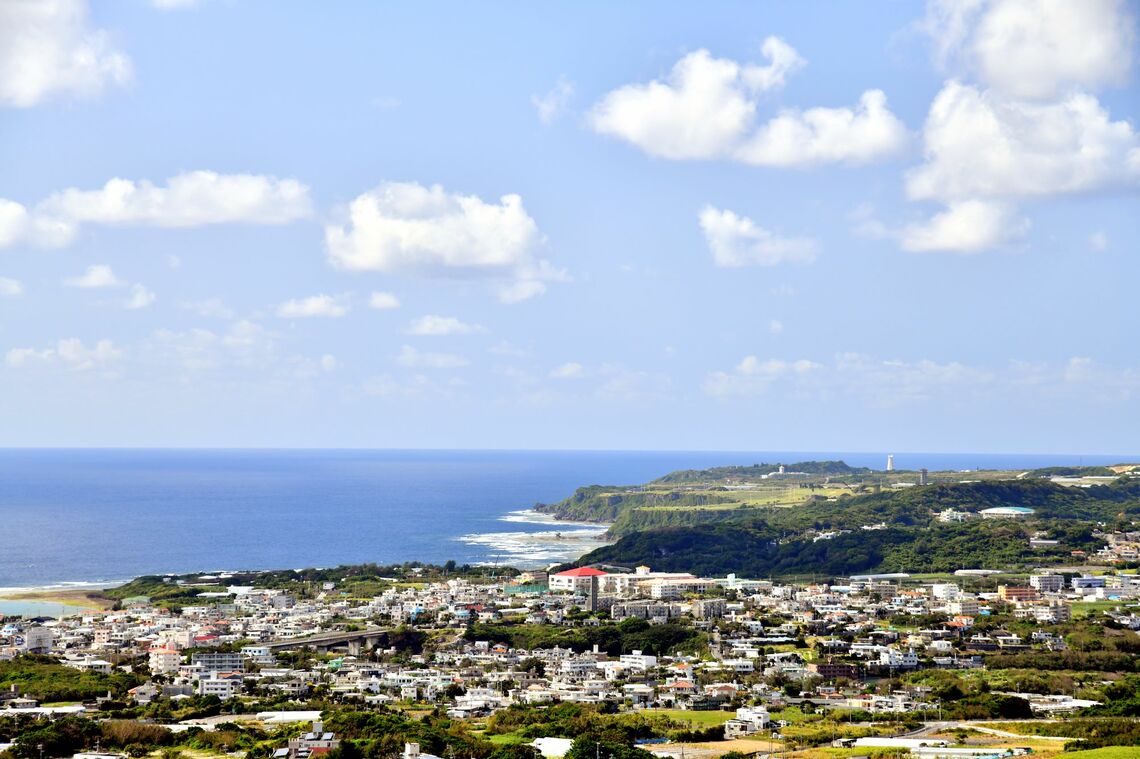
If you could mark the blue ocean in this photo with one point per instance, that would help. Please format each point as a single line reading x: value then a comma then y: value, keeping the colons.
x: 106, y: 515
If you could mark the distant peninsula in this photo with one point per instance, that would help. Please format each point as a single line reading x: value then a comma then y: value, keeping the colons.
x: 829, y: 519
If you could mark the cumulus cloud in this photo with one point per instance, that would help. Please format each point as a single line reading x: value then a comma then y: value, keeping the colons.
x: 140, y: 297
x: 383, y: 301
x: 407, y: 227
x: 13, y: 222
x: 865, y: 133
x: 738, y: 241
x: 1035, y: 49
x: 192, y: 199
x: 1029, y: 130
x: 413, y: 358
x: 978, y: 144
x: 706, y: 108
x: 967, y: 226
x: 48, y: 47
x: 554, y: 103
x: 435, y: 326
x: 314, y: 305
x: 70, y: 352
x: 97, y: 276
x: 10, y: 287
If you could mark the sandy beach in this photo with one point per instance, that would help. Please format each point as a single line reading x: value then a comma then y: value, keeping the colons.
x: 82, y: 598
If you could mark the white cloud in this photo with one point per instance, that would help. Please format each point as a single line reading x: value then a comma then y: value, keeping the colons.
x: 1098, y: 241
x: 167, y: 5
x: 865, y: 133
x: 571, y: 370
x: 753, y: 375
x: 442, y: 325
x: 520, y: 290
x: 774, y: 367
x: 554, y: 103
x: 1035, y: 49
x: 707, y: 109
x: 212, y: 308
x: 701, y: 110
x: 1031, y: 131
x: 241, y: 345
x: 140, y: 297
x: 893, y: 382
x: 411, y: 357
x: 10, y: 287
x: 328, y: 362
x: 191, y: 199
x: 383, y: 301
x: 949, y: 23
x: 775, y: 327
x: 48, y: 47
x: 97, y: 276
x: 738, y: 241
x: 13, y: 222
x: 71, y: 352
x: 884, y: 382
x: 404, y: 226
x: 314, y: 305
x: 967, y: 226
x: 1078, y: 369
x: 978, y: 144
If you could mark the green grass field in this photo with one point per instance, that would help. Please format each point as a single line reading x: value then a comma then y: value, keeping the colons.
x: 1108, y: 752
x: 701, y: 719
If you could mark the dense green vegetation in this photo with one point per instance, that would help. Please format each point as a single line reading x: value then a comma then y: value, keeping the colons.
x: 1089, y: 733
x: 359, y: 579
x: 48, y: 681
x: 781, y: 541
x: 570, y: 720
x: 597, y: 503
x: 757, y: 549
x: 720, y: 473
x: 625, y: 637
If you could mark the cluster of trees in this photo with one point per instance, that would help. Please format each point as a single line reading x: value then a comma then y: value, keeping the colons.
x: 599, y: 503
x: 46, y: 680
x: 720, y: 473
x: 781, y: 542
x: 614, y: 639
x: 164, y: 588
x: 570, y: 720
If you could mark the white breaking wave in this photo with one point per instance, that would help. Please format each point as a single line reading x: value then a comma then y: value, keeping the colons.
x: 537, y: 548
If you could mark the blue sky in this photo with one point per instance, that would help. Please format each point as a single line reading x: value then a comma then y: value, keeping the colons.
x: 758, y: 226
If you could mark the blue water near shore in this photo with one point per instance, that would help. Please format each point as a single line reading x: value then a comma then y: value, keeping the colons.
x: 106, y: 515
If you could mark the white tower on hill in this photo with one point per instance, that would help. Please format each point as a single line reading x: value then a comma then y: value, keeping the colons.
x: 890, y: 462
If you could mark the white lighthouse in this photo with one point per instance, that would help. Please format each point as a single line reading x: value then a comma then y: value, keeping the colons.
x: 890, y: 462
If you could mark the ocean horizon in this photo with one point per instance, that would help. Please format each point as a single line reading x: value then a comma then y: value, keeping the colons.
x: 90, y: 516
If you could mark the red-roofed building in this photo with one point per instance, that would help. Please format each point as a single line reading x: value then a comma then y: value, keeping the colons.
x: 577, y: 579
